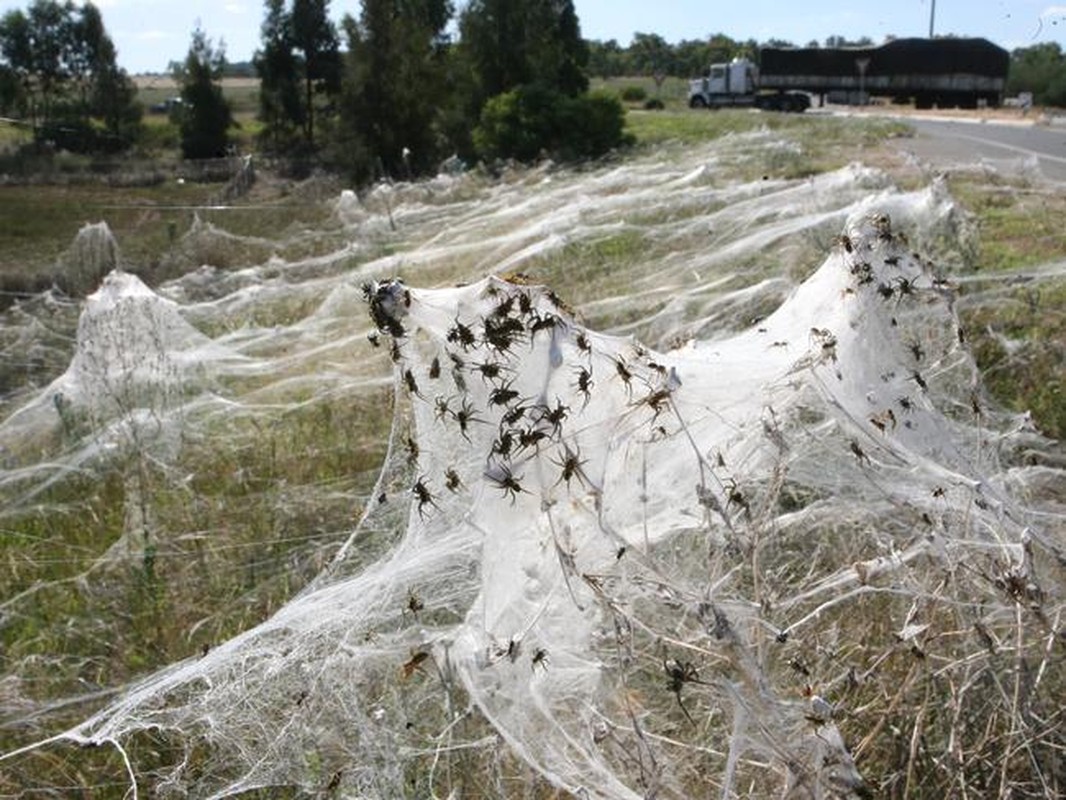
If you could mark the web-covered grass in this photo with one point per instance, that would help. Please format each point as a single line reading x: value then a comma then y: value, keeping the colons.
x: 702, y: 497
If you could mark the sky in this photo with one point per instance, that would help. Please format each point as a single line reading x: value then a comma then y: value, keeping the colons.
x: 149, y: 34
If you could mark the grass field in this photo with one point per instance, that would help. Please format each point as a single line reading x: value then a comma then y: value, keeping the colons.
x: 238, y: 529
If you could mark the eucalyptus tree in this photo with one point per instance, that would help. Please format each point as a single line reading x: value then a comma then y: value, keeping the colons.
x: 281, y: 102
x: 510, y: 43
x: 58, y: 69
x: 395, y: 87
x: 314, y: 37
x: 205, y: 116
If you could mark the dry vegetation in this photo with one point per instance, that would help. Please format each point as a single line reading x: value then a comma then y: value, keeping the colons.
x: 929, y: 717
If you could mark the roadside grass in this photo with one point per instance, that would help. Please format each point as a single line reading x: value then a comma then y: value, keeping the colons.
x: 818, y: 143
x: 1017, y: 326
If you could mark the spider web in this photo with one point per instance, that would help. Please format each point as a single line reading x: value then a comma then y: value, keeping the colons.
x: 606, y: 563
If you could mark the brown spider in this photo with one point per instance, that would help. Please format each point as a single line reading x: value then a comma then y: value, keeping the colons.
x: 571, y: 466
x: 678, y: 673
x: 506, y: 481
x: 502, y: 395
x: 584, y: 384
x: 554, y: 416
x: 464, y: 416
x: 423, y: 495
x: 540, y: 656
x: 452, y: 480
x: 461, y: 334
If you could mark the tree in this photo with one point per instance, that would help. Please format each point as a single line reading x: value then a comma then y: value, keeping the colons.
x: 606, y: 59
x: 532, y: 120
x: 651, y: 54
x: 60, y: 71
x: 205, y: 117
x: 394, y: 88
x: 281, y: 107
x: 314, y: 36
x: 1040, y: 69
x: 110, y: 93
x: 513, y: 42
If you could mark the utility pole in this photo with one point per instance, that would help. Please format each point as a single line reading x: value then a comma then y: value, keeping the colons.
x: 932, y: 16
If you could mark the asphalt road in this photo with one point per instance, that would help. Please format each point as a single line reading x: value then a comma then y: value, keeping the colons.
x: 944, y: 143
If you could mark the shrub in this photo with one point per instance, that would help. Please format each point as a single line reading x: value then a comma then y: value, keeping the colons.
x: 532, y: 121
x: 634, y: 94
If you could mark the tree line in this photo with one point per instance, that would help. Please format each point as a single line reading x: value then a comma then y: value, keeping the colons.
x: 58, y: 72
x: 391, y: 92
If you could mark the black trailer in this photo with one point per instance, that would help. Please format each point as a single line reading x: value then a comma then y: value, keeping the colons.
x: 947, y: 73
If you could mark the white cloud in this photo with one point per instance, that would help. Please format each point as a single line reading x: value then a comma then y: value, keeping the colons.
x: 236, y: 8
x: 1053, y: 11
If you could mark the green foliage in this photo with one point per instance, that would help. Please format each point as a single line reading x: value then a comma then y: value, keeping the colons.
x: 58, y: 69
x: 1040, y: 69
x: 205, y: 116
x: 315, y: 38
x: 509, y: 44
x: 634, y: 94
x: 533, y: 120
x: 394, y: 88
x: 649, y: 54
x: 281, y: 104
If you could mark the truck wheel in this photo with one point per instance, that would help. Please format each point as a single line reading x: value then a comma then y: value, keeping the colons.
x: 697, y: 102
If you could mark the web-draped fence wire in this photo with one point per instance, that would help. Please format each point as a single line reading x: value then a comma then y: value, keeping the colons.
x: 666, y: 565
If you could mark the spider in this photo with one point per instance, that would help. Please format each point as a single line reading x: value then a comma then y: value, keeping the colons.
x: 571, y: 466
x: 844, y: 242
x: 500, y: 334
x: 506, y: 481
x: 462, y: 334
x: 502, y: 395
x: 540, y: 656
x: 502, y: 446
x: 735, y: 497
x: 678, y: 673
x: 584, y: 384
x: 452, y: 480
x: 514, y: 414
x: 443, y: 407
x: 488, y: 369
x: 424, y: 496
x: 860, y: 454
x: 655, y: 401
x: 530, y: 437
x: 554, y: 415
x: 464, y: 416
x: 543, y: 323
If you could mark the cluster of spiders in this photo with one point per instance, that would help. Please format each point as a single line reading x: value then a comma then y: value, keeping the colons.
x: 479, y: 359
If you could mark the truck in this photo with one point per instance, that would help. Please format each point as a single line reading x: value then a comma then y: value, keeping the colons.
x: 737, y: 85
x: 946, y: 73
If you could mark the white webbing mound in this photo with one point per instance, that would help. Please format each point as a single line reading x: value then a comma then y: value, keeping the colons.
x: 600, y: 560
